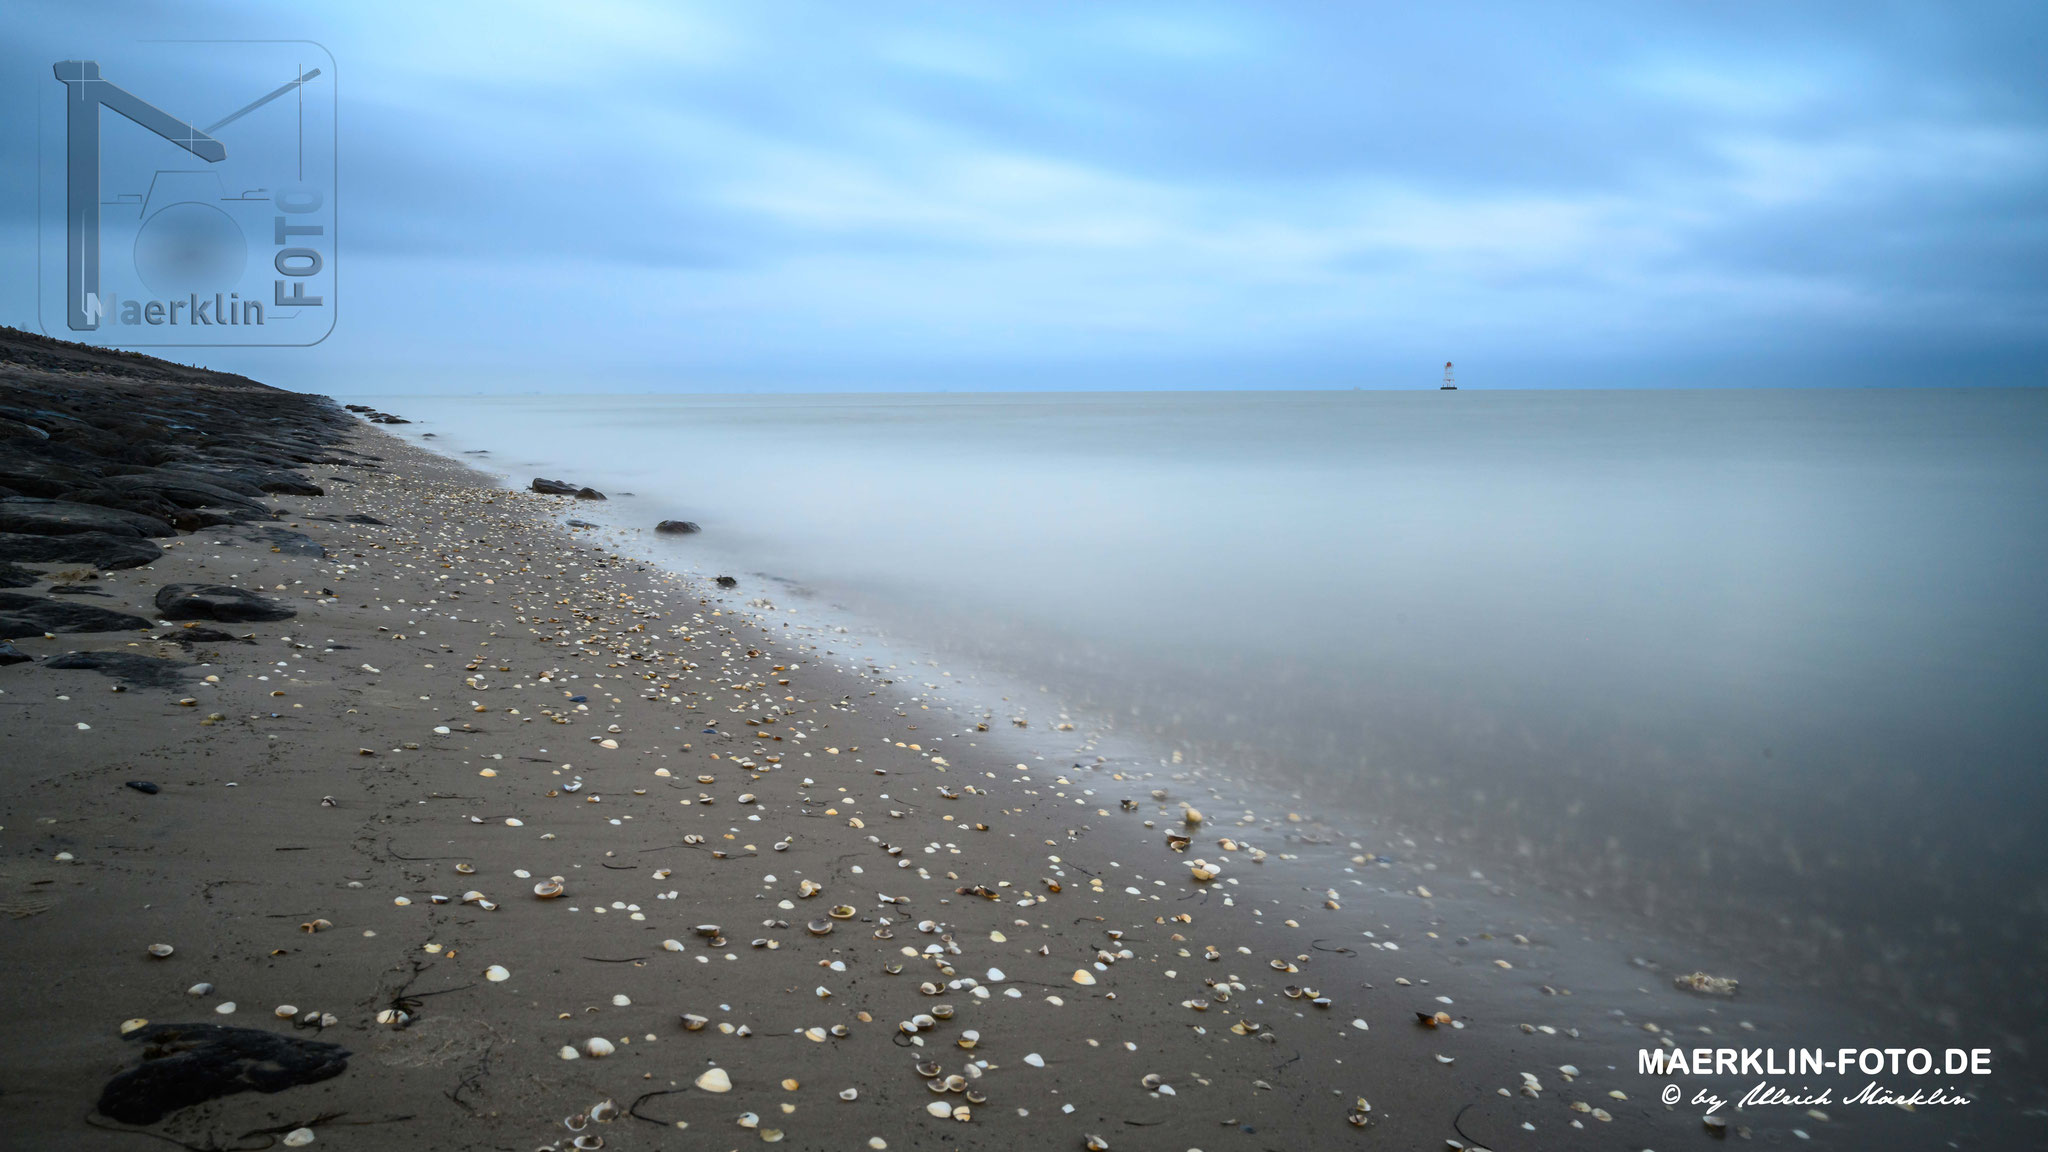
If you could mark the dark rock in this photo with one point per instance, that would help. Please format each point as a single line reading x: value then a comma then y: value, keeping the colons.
x: 727, y: 582
x: 359, y: 518
x: 187, y: 1064
x: 677, y: 527
x: 553, y: 487
x: 190, y: 636
x: 581, y: 524
x: 284, y: 540
x: 75, y: 590
x: 589, y: 494
x: 40, y: 517
x: 144, y: 787
x: 12, y: 577
x: 95, y: 548
x: 25, y: 615
x: 129, y: 667
x: 9, y: 654
x: 218, y: 602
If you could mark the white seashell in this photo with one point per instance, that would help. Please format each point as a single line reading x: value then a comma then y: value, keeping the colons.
x: 672, y: 945
x: 940, y: 1108
x: 201, y: 989
x: 568, y: 1053
x: 161, y: 950
x: 604, y: 1111
x: 849, y: 1094
x: 1034, y: 1059
x: 547, y: 889
x: 401, y: 901
x: 969, y: 1038
x: 996, y: 976
x: 514, y: 822
x: 134, y: 1025
x: 225, y: 1007
x: 285, y: 1011
x: 749, y: 1120
x: 297, y: 1138
x: 497, y: 973
x: 693, y: 1022
x: 715, y: 1080
x: 597, y: 1048
x: 1083, y: 976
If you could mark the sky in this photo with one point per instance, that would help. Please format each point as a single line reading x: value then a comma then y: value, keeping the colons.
x: 730, y: 197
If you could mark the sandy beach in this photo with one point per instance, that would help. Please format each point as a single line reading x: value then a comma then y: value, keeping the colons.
x: 558, y: 849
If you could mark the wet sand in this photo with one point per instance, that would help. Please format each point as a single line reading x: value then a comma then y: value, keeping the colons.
x: 470, y: 698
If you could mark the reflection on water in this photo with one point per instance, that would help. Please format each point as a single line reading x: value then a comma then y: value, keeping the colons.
x: 1765, y: 666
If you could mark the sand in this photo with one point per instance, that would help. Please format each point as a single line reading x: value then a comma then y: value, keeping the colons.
x: 470, y: 698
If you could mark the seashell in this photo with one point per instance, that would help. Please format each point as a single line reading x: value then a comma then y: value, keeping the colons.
x: 225, y: 1007
x: 466, y: 869
x: 588, y: 1142
x: 497, y: 973
x: 808, y: 888
x: 285, y: 1011
x: 487, y: 905
x: 201, y: 989
x: 715, y: 1080
x: 819, y: 927
x: 136, y: 1024
x: 849, y: 1094
x: 969, y: 1038
x: 743, y: 1030
x: 1083, y: 976
x: 693, y: 1022
x: 841, y: 1030
x: 597, y: 1048
x: 956, y: 1083
x: 1095, y: 1143
x: 1152, y: 1081
x: 672, y: 945
x: 547, y: 889
x: 1193, y: 817
x: 942, y: 1011
x: 576, y: 1123
x: 472, y: 896
x: 393, y: 1016
x: 923, y: 1020
x: 939, y: 1108
x: 437, y: 899
x: 746, y: 798
x: 708, y: 930
x: 401, y: 901
x: 771, y: 1135
x: 929, y: 988
x: 840, y: 912
x: 161, y: 950
x: 780, y: 846
x: 604, y: 1111
x: 297, y: 1138
x: 749, y: 1120
x: 937, y: 1085
x: 320, y: 925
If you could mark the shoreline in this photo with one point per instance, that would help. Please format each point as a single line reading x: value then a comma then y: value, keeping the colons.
x: 465, y: 609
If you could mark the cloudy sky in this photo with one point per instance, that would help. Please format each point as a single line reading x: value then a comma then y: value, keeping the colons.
x: 866, y: 195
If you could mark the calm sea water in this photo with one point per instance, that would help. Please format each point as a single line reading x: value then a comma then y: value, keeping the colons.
x: 1768, y: 668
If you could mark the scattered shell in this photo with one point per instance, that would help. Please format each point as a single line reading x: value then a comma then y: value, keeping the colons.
x: 939, y: 1108
x: 1096, y: 1143
x: 136, y: 1024
x: 225, y: 1007
x: 297, y: 1138
x: 201, y: 989
x: 161, y: 950
x: 1083, y: 976
x: 715, y: 1080
x: 841, y: 912
x: 819, y: 927
x: 547, y: 889
x: 707, y: 930
x: 693, y: 1022
x: 597, y: 1048
x: 320, y: 925
x: 969, y: 1038
x: 497, y: 973
x: 604, y: 1111
x: 849, y: 1094
x: 808, y: 888
x: 285, y: 1011
x: 1707, y: 985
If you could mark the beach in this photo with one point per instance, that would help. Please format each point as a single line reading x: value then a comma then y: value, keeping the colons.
x: 556, y: 845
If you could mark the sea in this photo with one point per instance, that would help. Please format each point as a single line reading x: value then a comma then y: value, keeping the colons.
x: 1765, y: 669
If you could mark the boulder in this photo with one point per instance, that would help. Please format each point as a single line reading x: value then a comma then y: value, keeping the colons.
x: 726, y: 582
x: 95, y: 548
x: 24, y: 615
x: 9, y: 654
x: 218, y: 602
x: 40, y: 517
x: 127, y: 667
x: 187, y: 1064
x: 553, y: 487
x: 12, y: 577
x: 677, y: 527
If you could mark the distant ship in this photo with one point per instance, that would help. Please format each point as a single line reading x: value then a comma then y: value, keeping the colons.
x: 1449, y: 385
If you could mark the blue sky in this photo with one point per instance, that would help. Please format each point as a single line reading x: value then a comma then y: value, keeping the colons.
x: 763, y: 195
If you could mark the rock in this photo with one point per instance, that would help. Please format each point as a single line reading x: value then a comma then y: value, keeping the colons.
x: 677, y: 527
x: 12, y: 577
x: 190, y: 636
x: 9, y: 654
x: 581, y: 524
x: 727, y: 582
x: 25, y: 615
x: 284, y: 540
x: 145, y: 787
x: 129, y: 667
x: 95, y: 548
x: 218, y: 602
x: 187, y: 1064
x: 39, y: 517
x: 563, y: 488
x: 360, y: 518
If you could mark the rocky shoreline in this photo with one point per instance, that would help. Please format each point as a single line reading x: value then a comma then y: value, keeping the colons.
x: 352, y: 801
